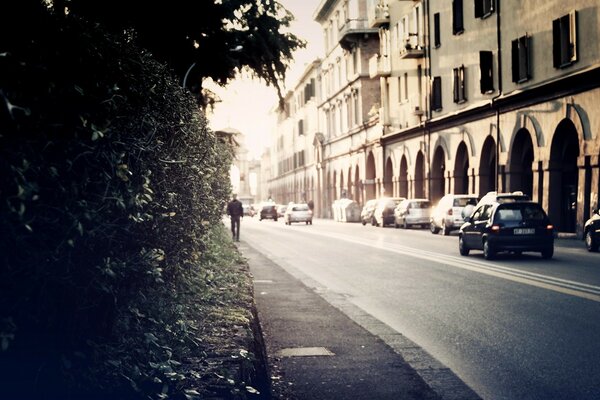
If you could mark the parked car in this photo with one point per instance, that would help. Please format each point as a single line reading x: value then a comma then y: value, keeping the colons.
x: 268, y: 211
x: 591, y: 231
x: 281, y: 210
x: 298, y: 213
x: 248, y: 210
x: 495, y: 197
x: 447, y: 215
x: 511, y: 226
x: 411, y: 212
x: 384, y: 210
x: 366, y: 215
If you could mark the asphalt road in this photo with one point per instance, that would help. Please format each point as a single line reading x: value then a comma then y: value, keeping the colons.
x: 512, y: 328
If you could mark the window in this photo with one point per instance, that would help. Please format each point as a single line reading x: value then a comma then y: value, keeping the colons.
x: 486, y: 61
x: 436, y: 94
x: 564, y: 40
x: 405, y: 86
x: 460, y: 95
x: 521, y: 66
x: 437, y: 42
x: 301, y: 127
x: 484, y: 8
x: 457, y: 17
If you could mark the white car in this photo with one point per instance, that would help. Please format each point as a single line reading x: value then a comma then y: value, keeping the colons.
x: 411, y: 212
x: 298, y: 213
x: 384, y: 210
x: 447, y: 215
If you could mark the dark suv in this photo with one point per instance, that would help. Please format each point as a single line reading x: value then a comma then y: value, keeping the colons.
x: 591, y: 231
x: 268, y: 212
x: 516, y: 227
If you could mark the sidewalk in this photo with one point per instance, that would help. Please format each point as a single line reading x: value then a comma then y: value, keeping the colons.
x: 320, y: 346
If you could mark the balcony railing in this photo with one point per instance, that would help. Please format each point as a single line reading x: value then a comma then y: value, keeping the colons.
x: 412, y: 48
x: 378, y: 13
x: 379, y: 66
x: 352, y: 30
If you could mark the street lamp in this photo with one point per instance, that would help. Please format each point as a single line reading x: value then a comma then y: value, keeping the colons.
x: 236, y: 49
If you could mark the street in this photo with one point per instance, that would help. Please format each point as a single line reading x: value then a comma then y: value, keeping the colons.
x: 518, y: 327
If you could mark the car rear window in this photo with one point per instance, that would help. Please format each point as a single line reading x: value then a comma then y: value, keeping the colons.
x: 520, y: 212
x: 420, y: 204
x: 302, y: 207
x: 464, y: 201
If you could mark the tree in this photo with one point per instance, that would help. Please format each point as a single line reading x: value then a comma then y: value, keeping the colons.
x: 202, y: 39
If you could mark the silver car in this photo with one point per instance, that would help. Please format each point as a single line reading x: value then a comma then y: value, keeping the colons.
x: 411, y: 212
x: 298, y: 213
x: 447, y: 215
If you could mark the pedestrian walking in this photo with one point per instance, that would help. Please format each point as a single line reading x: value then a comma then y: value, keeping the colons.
x: 235, y: 212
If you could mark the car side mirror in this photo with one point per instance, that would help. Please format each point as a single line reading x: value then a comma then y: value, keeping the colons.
x: 596, y: 211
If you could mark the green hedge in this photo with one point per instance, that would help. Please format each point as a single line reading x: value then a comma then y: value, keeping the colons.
x: 110, y: 186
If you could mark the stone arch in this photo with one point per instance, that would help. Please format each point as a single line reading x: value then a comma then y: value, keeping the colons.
x: 388, y: 178
x: 438, y: 172
x: 564, y: 152
x: 419, y: 180
x: 487, y: 167
x: 357, y: 186
x: 403, y: 177
x: 461, y: 169
x: 342, y: 189
x: 520, y: 171
x: 370, y: 174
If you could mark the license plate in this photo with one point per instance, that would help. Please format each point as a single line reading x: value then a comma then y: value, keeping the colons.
x: 524, y: 231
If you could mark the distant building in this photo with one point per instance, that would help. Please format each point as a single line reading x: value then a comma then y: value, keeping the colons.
x: 461, y: 96
x: 245, y: 173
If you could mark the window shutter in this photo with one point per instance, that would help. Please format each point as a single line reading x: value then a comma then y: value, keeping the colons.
x: 524, y: 64
x: 457, y: 17
x: 455, y: 85
x: 478, y: 8
x: 436, y: 30
x: 514, y: 51
x: 573, y: 35
x: 556, y: 43
x: 486, y: 60
x: 436, y: 94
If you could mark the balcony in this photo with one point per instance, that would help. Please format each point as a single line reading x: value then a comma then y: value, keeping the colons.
x: 378, y: 14
x: 412, y: 48
x: 353, y: 30
x: 379, y: 66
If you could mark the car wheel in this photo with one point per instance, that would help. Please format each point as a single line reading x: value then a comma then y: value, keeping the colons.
x: 275, y: 219
x: 373, y: 222
x: 462, y: 247
x: 488, y: 251
x: 590, y: 242
x: 433, y: 228
x: 445, y: 230
x: 364, y: 222
x: 548, y: 253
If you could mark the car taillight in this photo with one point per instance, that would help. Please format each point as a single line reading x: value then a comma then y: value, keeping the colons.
x: 495, y: 228
x: 549, y: 227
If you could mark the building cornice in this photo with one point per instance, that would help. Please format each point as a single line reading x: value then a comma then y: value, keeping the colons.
x: 582, y: 81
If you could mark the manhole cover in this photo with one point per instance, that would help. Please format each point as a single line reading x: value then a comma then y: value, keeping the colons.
x: 304, y: 352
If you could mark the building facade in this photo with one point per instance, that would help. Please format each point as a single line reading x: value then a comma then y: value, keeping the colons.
x: 473, y: 96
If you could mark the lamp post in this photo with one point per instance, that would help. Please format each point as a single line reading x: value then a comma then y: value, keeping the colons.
x: 236, y: 49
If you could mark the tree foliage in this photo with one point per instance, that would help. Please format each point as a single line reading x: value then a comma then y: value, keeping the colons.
x: 217, y: 37
x: 110, y: 186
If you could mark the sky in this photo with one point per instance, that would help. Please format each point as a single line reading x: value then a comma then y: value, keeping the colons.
x: 246, y: 103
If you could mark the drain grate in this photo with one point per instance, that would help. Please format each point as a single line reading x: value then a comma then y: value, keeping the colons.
x: 304, y: 352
